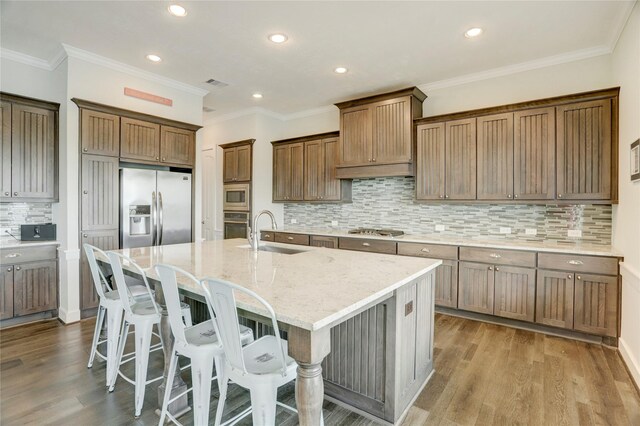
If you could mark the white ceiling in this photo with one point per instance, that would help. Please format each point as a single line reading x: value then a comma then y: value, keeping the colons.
x: 385, y: 45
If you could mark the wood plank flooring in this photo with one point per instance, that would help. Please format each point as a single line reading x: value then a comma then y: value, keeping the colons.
x: 485, y: 374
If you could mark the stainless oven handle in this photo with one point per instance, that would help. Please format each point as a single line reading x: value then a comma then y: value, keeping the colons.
x: 160, y: 221
x: 153, y: 218
x: 234, y: 221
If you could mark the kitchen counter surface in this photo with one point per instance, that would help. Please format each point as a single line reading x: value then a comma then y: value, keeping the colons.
x: 314, y: 288
x: 571, y: 248
x: 9, y: 243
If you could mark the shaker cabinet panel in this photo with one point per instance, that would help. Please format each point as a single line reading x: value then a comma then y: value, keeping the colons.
x: 6, y: 292
x: 139, y: 140
x: 5, y: 150
x: 33, y: 152
x: 392, y: 127
x: 584, y: 150
x: 177, y: 146
x: 99, y: 133
x: 460, y: 159
x: 534, y: 154
x: 430, y: 163
x: 100, y: 192
x: 35, y: 287
x: 596, y: 302
x: 495, y: 157
x: 554, y: 298
x: 515, y: 292
x: 476, y: 287
x: 105, y: 240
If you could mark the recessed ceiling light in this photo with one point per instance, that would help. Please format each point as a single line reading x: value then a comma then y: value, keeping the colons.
x: 340, y: 70
x: 177, y: 10
x: 473, y: 32
x: 278, y: 38
x: 154, y: 58
x: 257, y: 95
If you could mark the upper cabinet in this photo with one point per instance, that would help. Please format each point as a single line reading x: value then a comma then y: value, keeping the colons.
x: 376, y: 135
x: 99, y: 133
x: 237, y: 161
x: 177, y: 146
x: 29, y: 146
x: 549, y: 150
x: 140, y: 140
x: 304, y: 169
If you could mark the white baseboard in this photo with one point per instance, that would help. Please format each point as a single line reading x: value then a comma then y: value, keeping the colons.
x: 68, y: 317
x: 629, y: 346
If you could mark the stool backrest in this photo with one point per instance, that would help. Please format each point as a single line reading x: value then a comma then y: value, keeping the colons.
x: 169, y: 281
x: 117, y: 261
x: 100, y: 282
x: 221, y: 299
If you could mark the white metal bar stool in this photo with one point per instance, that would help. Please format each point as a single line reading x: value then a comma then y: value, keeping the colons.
x: 261, y: 367
x: 198, y: 342
x: 143, y: 314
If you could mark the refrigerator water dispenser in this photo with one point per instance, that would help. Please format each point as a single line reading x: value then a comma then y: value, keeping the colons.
x: 140, y: 220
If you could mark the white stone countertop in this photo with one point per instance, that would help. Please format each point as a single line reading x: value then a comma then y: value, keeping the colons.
x: 312, y: 289
x: 10, y: 243
x: 570, y: 248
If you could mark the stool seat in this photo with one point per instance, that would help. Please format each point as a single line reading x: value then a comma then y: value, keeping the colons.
x: 204, y: 334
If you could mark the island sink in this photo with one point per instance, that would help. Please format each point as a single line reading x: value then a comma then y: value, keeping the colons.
x: 275, y: 249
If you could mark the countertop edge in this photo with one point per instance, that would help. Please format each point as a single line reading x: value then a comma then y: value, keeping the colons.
x: 24, y: 244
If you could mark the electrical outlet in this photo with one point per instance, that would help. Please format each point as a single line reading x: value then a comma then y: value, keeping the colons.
x: 574, y: 233
x: 505, y: 230
x: 294, y: 220
x: 531, y: 231
x: 439, y: 227
x: 334, y: 223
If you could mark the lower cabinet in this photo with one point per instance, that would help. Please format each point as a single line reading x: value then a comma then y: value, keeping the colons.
x: 35, y: 287
x: 515, y: 292
x: 446, y: 285
x: 6, y: 292
x: 595, y: 304
x: 105, y: 240
x: 554, y: 298
x: 476, y: 287
x: 321, y: 241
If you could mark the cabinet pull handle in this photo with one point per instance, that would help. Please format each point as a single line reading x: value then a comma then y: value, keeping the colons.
x: 578, y: 277
x: 575, y: 262
x: 13, y: 255
x: 267, y: 235
x: 491, y: 268
x: 289, y: 238
x: 366, y: 244
x: 9, y: 269
x: 18, y: 268
x: 425, y: 250
x: 495, y: 255
x: 570, y: 276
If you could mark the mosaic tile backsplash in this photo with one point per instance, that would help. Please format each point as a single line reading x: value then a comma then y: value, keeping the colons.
x: 12, y: 215
x: 389, y: 203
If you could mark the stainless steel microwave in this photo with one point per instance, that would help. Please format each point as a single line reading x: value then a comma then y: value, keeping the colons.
x: 237, y: 197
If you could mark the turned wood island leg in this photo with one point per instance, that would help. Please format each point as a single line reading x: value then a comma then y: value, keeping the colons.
x: 309, y: 348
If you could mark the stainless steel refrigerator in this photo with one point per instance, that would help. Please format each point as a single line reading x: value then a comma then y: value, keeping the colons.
x: 155, y: 207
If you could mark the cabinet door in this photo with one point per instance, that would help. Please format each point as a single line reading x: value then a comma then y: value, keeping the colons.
x: 100, y: 192
x: 281, y: 172
x: 313, y: 170
x: 297, y: 172
x: 554, y: 298
x: 460, y: 159
x: 515, y: 292
x: 230, y: 164
x: 6, y: 292
x: 33, y: 152
x: 475, y: 287
x: 495, y: 157
x: 35, y: 287
x: 243, y: 170
x: 332, y: 185
x: 355, y: 136
x: 596, y: 304
x: 105, y: 240
x: 391, y: 141
x: 5, y: 151
x: 99, y: 133
x: 534, y: 154
x: 584, y: 150
x: 447, y: 284
x: 139, y: 140
x: 177, y: 146
x: 430, y: 176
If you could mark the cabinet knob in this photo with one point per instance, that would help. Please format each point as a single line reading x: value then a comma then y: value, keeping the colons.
x: 164, y: 159
x: 578, y: 277
x: 491, y: 268
x: 497, y: 269
x: 515, y: 196
x: 85, y: 235
x: 446, y: 196
x: 7, y: 193
x: 157, y: 158
x: 84, y: 150
x: 369, y: 160
x: 559, y: 195
x: 85, y: 192
x: 441, y: 196
x: 18, y: 268
x: 508, y: 195
x: 373, y: 159
x: 15, y: 193
x: 570, y: 276
x: 9, y: 269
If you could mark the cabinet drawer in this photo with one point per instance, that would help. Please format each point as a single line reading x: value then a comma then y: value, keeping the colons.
x: 376, y: 246
x: 436, y: 251
x: 27, y: 254
x: 300, y: 239
x: 321, y: 241
x: 569, y: 262
x: 498, y: 257
x: 267, y: 236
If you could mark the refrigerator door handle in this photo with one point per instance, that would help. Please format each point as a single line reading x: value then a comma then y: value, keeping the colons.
x: 153, y: 218
x: 161, y: 230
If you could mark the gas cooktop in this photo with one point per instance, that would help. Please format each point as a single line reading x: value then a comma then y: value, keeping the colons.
x: 380, y: 232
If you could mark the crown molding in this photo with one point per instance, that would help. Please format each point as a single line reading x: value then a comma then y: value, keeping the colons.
x: 74, y: 52
x: 22, y: 58
x: 311, y: 112
x: 244, y: 113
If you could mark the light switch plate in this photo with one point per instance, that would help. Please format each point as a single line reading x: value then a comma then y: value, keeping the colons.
x: 334, y: 223
x: 574, y: 233
x: 531, y: 231
x: 505, y: 230
x: 294, y: 220
x: 439, y: 227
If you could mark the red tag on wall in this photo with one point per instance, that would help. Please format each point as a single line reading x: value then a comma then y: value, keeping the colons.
x: 147, y: 96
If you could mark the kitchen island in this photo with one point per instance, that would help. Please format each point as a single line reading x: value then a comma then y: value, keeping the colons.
x: 365, y: 319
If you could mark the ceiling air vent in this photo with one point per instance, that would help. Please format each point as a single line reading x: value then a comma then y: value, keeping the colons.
x: 216, y: 83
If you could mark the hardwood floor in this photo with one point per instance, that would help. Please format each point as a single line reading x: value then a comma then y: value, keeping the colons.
x: 485, y: 374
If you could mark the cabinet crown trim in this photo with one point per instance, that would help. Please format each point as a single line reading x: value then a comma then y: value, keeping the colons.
x: 410, y: 91
x: 24, y: 100
x: 237, y: 143
x: 306, y: 138
x: 94, y: 106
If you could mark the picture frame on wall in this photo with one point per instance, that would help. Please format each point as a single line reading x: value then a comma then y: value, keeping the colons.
x: 635, y: 161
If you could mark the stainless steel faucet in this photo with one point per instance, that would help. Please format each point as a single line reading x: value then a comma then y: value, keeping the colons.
x: 254, y: 234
